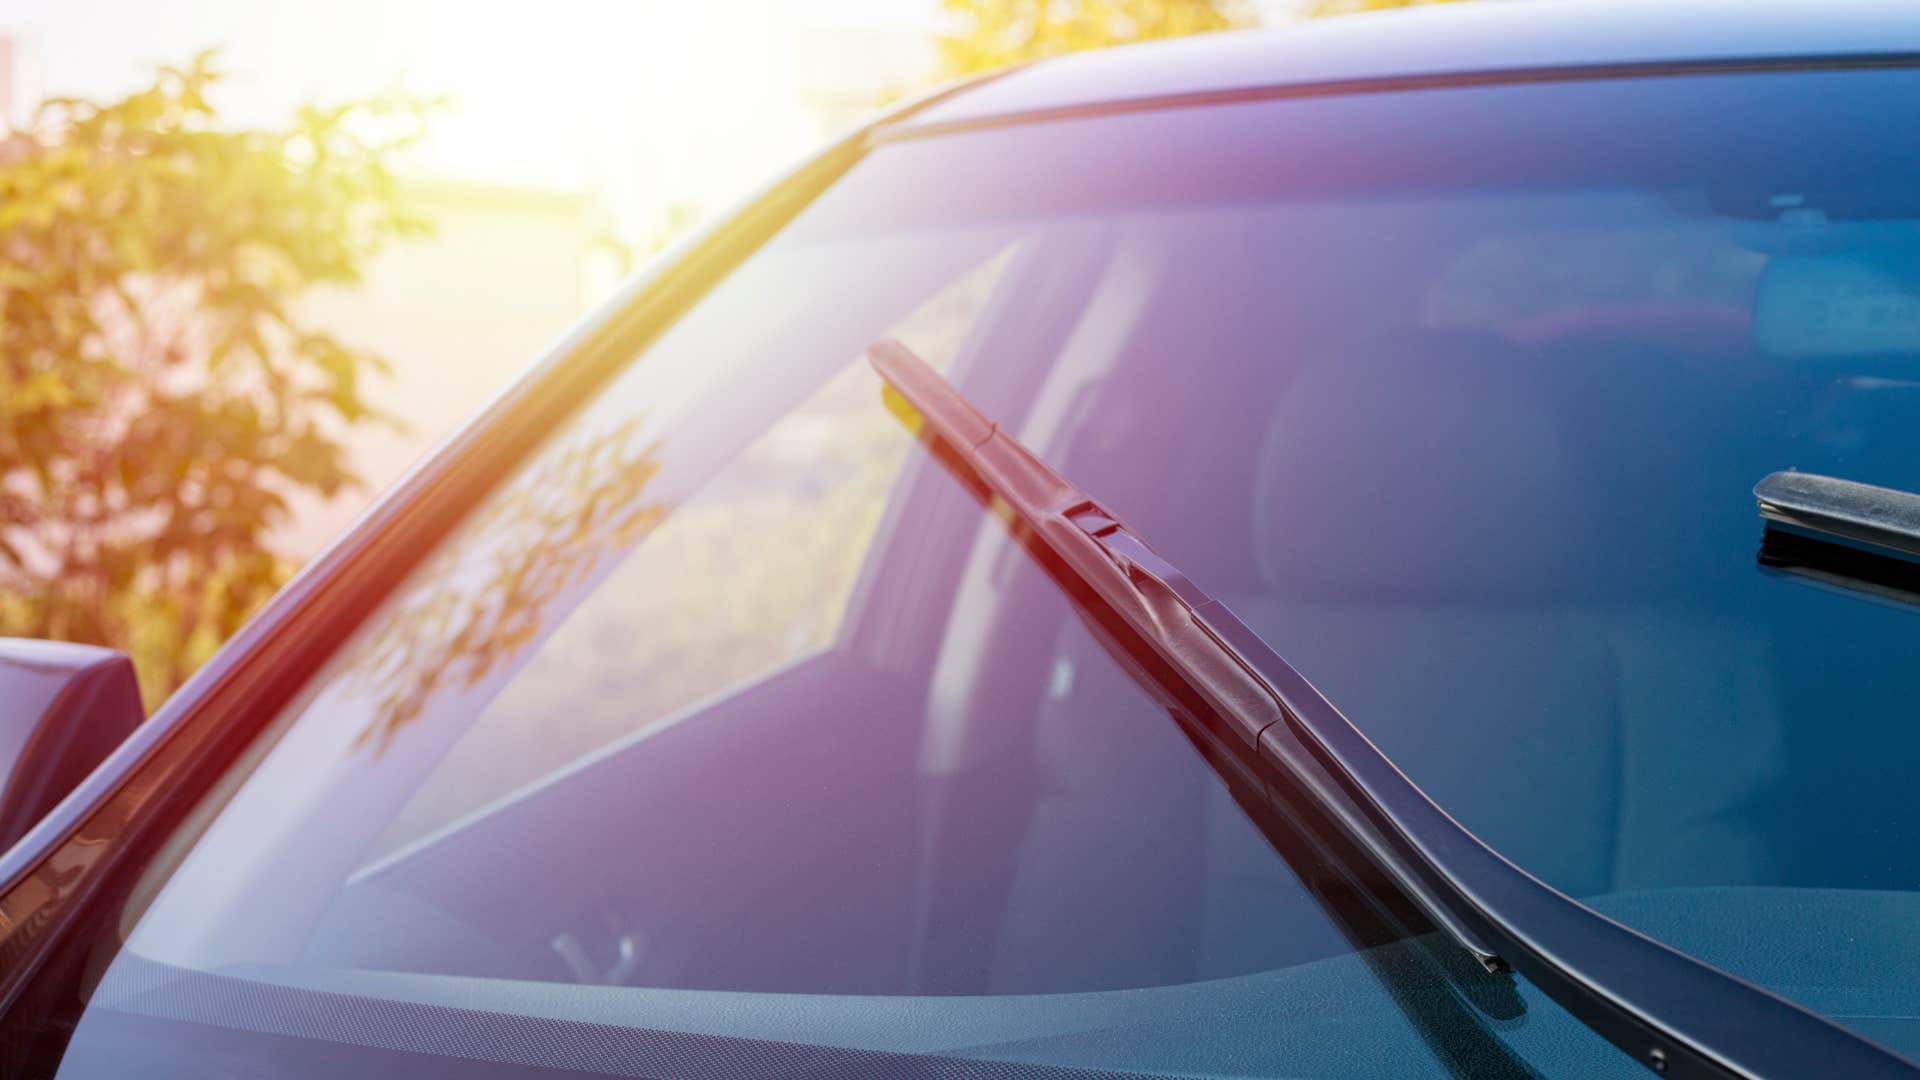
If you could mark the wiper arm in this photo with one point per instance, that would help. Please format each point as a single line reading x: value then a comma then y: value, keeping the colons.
x: 1842, y: 535
x: 1844, y: 510
x: 1678, y: 1015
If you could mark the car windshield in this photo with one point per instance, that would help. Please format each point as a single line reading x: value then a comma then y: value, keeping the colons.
x: 734, y: 735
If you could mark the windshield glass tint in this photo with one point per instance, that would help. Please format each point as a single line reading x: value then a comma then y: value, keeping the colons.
x: 737, y: 730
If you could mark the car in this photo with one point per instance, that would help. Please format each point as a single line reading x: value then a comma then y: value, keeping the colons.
x: 1383, y: 548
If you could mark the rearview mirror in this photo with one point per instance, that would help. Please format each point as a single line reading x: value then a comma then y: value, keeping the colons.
x: 63, y: 708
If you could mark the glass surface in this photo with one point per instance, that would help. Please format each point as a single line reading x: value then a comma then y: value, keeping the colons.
x: 735, y: 734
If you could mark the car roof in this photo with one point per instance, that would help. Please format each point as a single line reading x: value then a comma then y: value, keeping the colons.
x: 1441, y: 40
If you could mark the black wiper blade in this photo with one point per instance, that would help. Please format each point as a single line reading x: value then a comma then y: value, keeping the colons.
x: 1678, y: 1015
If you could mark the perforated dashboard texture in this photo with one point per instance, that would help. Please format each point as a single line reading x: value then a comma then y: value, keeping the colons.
x: 458, y: 1037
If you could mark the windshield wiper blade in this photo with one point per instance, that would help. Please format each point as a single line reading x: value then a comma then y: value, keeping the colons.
x: 1676, y: 1014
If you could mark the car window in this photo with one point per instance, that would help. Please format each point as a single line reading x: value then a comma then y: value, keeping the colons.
x: 697, y: 724
x: 738, y: 729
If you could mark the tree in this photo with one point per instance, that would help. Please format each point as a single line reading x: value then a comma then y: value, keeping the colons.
x: 161, y: 400
x: 1317, y: 8
x: 986, y: 34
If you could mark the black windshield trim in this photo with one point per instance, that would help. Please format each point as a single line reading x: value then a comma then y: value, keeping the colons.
x: 908, y: 131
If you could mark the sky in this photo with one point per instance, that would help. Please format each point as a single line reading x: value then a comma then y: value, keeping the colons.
x: 649, y: 101
x: 537, y: 91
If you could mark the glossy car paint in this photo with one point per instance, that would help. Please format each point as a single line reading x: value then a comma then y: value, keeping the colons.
x: 70, y: 706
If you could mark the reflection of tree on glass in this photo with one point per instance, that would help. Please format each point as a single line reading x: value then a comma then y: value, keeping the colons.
x: 545, y: 533
x: 754, y: 569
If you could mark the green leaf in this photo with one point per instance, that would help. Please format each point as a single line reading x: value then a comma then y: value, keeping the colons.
x: 148, y: 246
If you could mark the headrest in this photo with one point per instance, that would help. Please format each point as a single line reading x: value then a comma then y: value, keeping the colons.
x: 1424, y: 465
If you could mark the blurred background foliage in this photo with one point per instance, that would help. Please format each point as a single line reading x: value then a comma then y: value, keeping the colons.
x: 160, y: 402
x: 987, y: 34
x: 1320, y: 8
x: 184, y: 393
x: 981, y: 35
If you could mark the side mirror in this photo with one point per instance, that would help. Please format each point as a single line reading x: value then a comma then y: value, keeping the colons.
x: 63, y: 709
